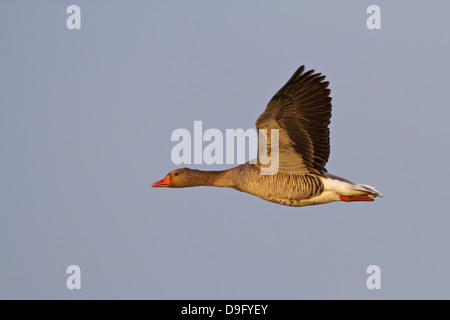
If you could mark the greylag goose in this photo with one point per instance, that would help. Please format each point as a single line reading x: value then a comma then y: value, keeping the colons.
x: 301, y: 111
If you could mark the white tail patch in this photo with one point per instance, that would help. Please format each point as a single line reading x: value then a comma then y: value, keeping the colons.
x: 349, y: 189
x: 370, y: 189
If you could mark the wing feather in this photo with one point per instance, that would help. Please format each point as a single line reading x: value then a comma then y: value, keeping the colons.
x: 301, y: 110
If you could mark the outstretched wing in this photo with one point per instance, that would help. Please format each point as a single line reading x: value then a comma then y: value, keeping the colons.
x: 301, y: 111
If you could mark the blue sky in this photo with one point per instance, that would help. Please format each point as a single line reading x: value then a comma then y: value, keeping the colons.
x: 86, y: 118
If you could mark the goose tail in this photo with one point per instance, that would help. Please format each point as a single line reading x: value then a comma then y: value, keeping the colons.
x: 349, y: 191
x: 369, y: 189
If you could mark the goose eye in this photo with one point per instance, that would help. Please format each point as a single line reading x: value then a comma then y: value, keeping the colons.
x: 176, y: 173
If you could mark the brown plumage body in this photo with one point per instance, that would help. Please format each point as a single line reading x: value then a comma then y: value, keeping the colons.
x: 301, y: 112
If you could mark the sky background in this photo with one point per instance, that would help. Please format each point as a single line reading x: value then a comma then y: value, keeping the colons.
x: 86, y: 118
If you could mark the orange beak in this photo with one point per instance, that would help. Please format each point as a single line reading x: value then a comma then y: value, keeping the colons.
x: 162, y: 183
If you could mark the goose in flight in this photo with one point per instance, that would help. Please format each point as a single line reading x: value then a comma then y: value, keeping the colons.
x: 301, y: 111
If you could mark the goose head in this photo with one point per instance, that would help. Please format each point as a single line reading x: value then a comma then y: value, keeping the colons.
x: 185, y: 177
x: 178, y: 178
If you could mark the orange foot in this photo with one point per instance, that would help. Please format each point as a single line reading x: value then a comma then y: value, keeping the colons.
x: 355, y: 198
